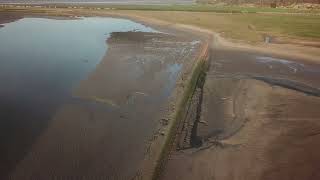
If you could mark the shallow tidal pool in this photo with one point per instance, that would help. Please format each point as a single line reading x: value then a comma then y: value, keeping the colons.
x: 42, y: 60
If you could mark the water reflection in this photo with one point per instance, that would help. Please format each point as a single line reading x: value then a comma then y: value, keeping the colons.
x: 41, y: 61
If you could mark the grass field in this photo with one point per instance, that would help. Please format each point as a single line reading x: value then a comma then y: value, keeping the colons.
x: 244, y: 23
x: 214, y: 8
x: 192, y: 7
x: 248, y: 27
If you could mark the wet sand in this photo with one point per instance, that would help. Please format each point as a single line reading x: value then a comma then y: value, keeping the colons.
x: 8, y: 17
x: 103, y: 132
x: 259, y: 119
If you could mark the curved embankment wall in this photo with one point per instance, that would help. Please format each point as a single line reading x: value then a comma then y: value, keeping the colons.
x: 183, y: 101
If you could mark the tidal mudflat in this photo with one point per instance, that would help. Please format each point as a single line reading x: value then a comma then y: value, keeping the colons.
x: 82, y: 97
x: 258, y: 119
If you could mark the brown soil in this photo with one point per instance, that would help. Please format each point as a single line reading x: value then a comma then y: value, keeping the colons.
x: 259, y: 120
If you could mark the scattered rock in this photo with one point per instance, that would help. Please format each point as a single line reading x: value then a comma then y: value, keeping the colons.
x: 164, y: 121
x: 251, y: 27
x: 162, y: 133
x: 122, y: 116
x: 267, y: 39
x: 203, y: 122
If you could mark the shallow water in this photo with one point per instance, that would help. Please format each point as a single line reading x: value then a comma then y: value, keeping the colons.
x: 42, y: 61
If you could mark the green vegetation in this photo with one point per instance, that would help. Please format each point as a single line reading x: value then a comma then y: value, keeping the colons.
x: 200, y: 8
x: 197, y: 8
x: 247, y: 27
x: 307, y: 26
x: 197, y: 75
x: 249, y: 24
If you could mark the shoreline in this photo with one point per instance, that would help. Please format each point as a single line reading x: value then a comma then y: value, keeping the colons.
x: 176, y: 101
x: 286, y: 50
x: 150, y: 168
x: 294, y: 49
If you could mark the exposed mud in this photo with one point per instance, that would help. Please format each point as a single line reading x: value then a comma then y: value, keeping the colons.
x: 103, y: 132
x: 187, y: 130
x: 259, y: 119
x: 8, y: 17
x: 300, y: 87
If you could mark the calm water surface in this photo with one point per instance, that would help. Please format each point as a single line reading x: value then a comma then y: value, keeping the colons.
x: 41, y: 61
